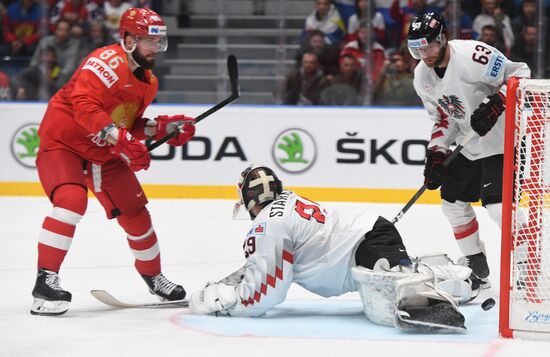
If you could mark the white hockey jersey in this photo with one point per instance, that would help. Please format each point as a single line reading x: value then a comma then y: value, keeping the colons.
x: 296, y: 240
x: 475, y: 70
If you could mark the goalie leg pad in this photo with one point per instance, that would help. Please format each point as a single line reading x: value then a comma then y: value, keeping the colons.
x: 405, y: 300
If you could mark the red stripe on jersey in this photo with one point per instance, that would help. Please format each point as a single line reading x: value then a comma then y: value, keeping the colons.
x: 53, y: 225
x: 466, y: 230
x: 270, y: 280
x: 288, y: 257
x: 278, y: 273
x: 437, y: 134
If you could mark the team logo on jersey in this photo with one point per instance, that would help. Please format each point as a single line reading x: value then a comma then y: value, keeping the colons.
x: 101, y: 70
x: 452, y: 106
x: 294, y: 150
x: 258, y: 230
x: 24, y: 145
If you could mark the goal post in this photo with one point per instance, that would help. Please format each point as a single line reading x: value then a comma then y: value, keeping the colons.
x: 525, y: 250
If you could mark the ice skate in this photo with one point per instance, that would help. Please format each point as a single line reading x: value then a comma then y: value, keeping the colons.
x: 49, y: 297
x: 480, y: 270
x: 164, y: 288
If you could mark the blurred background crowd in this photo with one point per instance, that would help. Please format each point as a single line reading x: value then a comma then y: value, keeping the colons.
x: 294, y: 52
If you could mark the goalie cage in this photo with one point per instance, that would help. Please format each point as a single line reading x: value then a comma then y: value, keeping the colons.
x: 525, y: 255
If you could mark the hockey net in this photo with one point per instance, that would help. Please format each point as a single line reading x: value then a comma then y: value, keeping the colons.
x: 525, y: 258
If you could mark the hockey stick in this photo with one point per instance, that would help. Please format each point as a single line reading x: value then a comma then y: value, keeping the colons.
x: 446, y: 163
x: 233, y: 72
x: 109, y: 300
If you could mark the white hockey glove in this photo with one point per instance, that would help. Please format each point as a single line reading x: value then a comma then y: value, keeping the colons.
x: 213, y: 298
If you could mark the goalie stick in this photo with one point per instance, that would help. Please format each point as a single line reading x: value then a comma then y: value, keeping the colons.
x: 109, y: 300
x: 421, y: 190
x: 233, y: 71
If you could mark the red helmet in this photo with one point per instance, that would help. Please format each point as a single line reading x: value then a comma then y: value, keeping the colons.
x: 141, y: 22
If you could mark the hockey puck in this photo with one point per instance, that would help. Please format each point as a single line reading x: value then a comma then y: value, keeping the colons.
x: 488, y: 304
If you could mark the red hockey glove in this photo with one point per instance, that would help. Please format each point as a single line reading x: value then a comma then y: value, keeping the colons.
x: 434, y: 171
x: 167, y: 124
x: 131, y: 151
x: 486, y: 115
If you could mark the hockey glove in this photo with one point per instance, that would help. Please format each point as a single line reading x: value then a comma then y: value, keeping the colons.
x: 486, y: 115
x: 213, y: 298
x: 131, y: 151
x: 167, y: 124
x: 434, y: 171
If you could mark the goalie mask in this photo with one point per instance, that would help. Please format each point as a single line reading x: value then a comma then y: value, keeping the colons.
x: 257, y: 185
x: 427, y: 36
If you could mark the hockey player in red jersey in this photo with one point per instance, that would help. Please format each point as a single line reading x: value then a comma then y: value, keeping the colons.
x: 90, y: 138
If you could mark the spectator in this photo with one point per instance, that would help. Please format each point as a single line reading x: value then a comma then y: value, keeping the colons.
x: 98, y: 37
x: 303, y: 85
x: 4, y: 48
x: 524, y: 49
x: 394, y: 86
x: 39, y: 82
x: 346, y: 87
x: 326, y: 53
x: 527, y: 17
x: 113, y: 10
x: 492, y: 14
x: 489, y: 35
x: 5, y: 87
x: 21, y: 24
x: 66, y: 48
x: 378, y: 23
x: 325, y: 18
x: 359, y: 49
x: 465, y: 31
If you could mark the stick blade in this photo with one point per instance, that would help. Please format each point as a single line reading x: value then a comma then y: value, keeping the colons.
x: 106, y: 298
x: 233, y: 70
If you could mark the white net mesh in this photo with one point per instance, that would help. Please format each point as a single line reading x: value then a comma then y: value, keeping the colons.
x: 531, y: 198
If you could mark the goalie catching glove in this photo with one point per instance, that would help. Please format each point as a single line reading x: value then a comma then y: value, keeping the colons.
x: 166, y: 124
x: 213, y: 298
x: 131, y: 150
x: 486, y: 115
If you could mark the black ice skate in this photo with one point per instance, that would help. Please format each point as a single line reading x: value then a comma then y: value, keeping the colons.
x: 480, y: 270
x: 49, y: 296
x: 164, y: 288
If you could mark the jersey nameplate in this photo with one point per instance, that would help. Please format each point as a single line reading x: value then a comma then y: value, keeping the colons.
x: 278, y: 206
x: 102, y: 71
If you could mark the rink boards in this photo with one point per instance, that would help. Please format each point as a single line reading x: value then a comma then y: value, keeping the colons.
x: 334, y: 153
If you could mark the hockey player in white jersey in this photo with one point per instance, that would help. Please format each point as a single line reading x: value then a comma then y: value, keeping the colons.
x: 462, y: 84
x: 295, y: 240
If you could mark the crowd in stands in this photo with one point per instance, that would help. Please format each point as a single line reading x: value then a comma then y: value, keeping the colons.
x: 347, y: 47
x: 364, y: 44
x: 43, y: 41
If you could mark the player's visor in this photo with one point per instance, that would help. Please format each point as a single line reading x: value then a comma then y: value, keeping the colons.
x: 420, y: 48
x: 154, y: 43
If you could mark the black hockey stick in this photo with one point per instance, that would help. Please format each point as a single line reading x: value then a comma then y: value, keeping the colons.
x: 233, y: 72
x: 421, y: 190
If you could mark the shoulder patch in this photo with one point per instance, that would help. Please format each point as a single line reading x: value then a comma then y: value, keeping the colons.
x: 496, y: 64
x: 258, y: 229
x: 105, y: 73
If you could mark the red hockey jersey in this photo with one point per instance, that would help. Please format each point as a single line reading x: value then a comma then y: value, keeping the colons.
x: 103, y: 90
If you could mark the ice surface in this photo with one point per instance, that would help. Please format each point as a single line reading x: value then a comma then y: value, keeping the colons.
x: 200, y: 242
